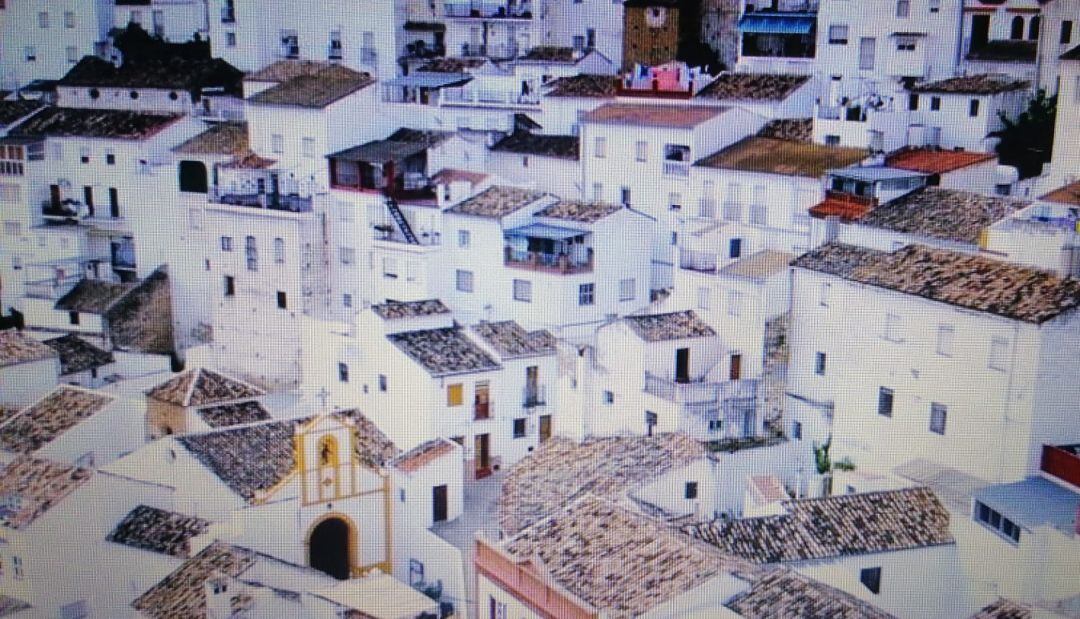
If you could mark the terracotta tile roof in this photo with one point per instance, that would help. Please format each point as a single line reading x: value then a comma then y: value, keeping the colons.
x: 983, y: 84
x: 677, y: 116
x: 423, y: 454
x: 177, y: 72
x: 497, y: 201
x: 200, y: 386
x: 141, y: 320
x: 560, y: 470
x: 310, y: 84
x: 845, y: 207
x: 550, y: 53
x: 409, y: 309
x: 834, y: 526
x: 180, y: 594
x: 935, y: 160
x: 93, y: 296
x: 233, y: 414
x: 227, y: 138
x: 443, y: 352
x: 78, y: 355
x: 157, y: 530
x: 584, y: 212
x: 452, y: 65
x: 248, y: 161
x: 16, y: 348
x: 1068, y: 194
x: 525, y: 143
x: 511, y: 341
x: 372, y: 448
x: 248, y: 459
x: 62, y: 122
x: 769, y: 488
x: 787, y: 157
x: 10, y: 606
x: 669, y: 326
x: 794, y: 129
x: 619, y: 561
x: 584, y: 85
x: 1004, y: 609
x: 37, y: 486
x: 11, y: 111
x: 752, y: 86
x: 938, y: 213
x: 786, y: 593
x: 450, y: 175
x: 968, y: 281
x: 759, y: 266
x: 56, y: 413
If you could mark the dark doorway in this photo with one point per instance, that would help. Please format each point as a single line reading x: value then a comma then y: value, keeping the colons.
x: 114, y: 203
x: 682, y: 365
x: 735, y: 373
x: 482, y: 445
x: 980, y: 31
x: 193, y: 177
x: 88, y: 199
x: 328, y: 548
x: 54, y: 196
x: 545, y: 427
x: 438, y: 503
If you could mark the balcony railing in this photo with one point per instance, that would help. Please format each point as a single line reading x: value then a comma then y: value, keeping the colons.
x: 698, y: 391
x: 550, y: 263
x: 488, y: 10
x: 276, y: 202
x: 478, y: 96
x: 676, y: 168
x: 534, y: 397
x: 694, y: 260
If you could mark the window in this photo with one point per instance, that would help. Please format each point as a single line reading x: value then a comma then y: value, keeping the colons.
x: 885, y: 402
x: 277, y: 143
x: 892, y: 328
x: 230, y: 39
x: 675, y: 201
x: 84, y: 155
x: 17, y: 565
x: 279, y: 250
x: 597, y: 192
x: 995, y: 521
x: 587, y: 294
x: 307, y: 147
x: 938, y: 413
x: 690, y: 490
x: 903, y: 8
x: 703, y: 298
x: 464, y: 281
x: 346, y: 300
x: 230, y: 286
x: 913, y: 102
x: 935, y: 6
x: 627, y: 289
x: 226, y: 243
x: 1016, y: 29
x: 838, y: 34
x: 715, y: 425
x: 31, y: 53
x: 935, y: 104
x: 343, y: 372
x: 906, y: 43
x: 796, y: 430
x: 999, y: 349
x: 69, y: 19
x: 759, y: 215
x: 819, y: 363
x: 455, y: 394
x: 73, y: 318
x: 382, y: 382
x: 496, y: 610
x: 282, y: 301
x: 43, y: 19
x: 734, y: 248
x: 973, y: 108
x: 110, y: 158
x: 870, y: 577
x: 624, y: 196
x: 251, y: 253
x: 519, y: 428
x: 1033, y: 28
x: 523, y: 290
x: 867, y: 49
x: 71, y: 53
x: 641, y: 149
x: 609, y: 397
x: 944, y: 340
x: 464, y: 237
x: 599, y: 147
x: 1066, y: 32
x: 347, y: 255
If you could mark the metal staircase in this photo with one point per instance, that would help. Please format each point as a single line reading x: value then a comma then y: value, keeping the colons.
x: 402, y: 223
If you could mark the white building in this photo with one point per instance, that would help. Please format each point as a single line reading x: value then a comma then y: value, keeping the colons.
x: 584, y: 26
x: 545, y: 162
x: 43, y: 39
x: 497, y: 29
x: 565, y: 98
x: 251, y: 34
x: 28, y: 368
x: 1057, y: 35
x: 778, y: 41
x: 928, y: 353
x: 1043, y: 235
x: 561, y: 265
x: 1003, y: 37
x: 1065, y: 166
x: 176, y: 21
x: 81, y: 363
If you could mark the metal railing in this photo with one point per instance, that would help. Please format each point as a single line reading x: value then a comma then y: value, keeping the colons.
x: 487, y: 96
x: 540, y: 261
x: 676, y: 168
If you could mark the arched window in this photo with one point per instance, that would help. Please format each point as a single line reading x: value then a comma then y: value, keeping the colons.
x: 328, y: 452
x: 1017, y: 31
x: 1033, y: 28
x: 193, y: 177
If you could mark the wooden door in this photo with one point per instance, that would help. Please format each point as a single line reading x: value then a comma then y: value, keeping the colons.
x: 482, y: 445
x: 545, y: 427
x: 735, y: 371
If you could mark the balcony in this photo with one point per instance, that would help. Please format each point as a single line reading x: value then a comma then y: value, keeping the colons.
x: 479, y: 96
x: 695, y: 260
x: 488, y: 10
x: 547, y: 262
x: 270, y: 201
x: 676, y: 168
x: 534, y: 397
x: 710, y: 409
x: 498, y: 51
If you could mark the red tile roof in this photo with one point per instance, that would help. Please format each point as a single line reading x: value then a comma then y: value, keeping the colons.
x: 653, y: 115
x: 1069, y: 194
x: 846, y: 207
x: 935, y: 161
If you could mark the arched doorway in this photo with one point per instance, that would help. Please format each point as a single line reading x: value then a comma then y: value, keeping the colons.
x: 328, y: 547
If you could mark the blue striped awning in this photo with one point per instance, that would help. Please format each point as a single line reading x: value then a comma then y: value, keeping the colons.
x: 777, y: 23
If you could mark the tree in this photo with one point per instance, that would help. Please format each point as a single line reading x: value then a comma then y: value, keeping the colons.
x: 1026, y: 141
x: 821, y: 457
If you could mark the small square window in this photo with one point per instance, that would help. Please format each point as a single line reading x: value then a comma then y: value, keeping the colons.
x: 455, y: 394
x: 282, y: 301
x: 913, y: 102
x: 609, y: 397
x: 819, y: 363
x: 519, y: 428
x: 464, y: 280
x: 382, y: 382
x: 587, y: 294
x: 307, y: 147
x: 69, y: 19
x: 938, y: 414
x: 277, y: 143
x: 73, y: 318
x: 346, y: 300
x: 31, y: 53
x: 690, y: 490
x: 973, y: 108
x: 641, y: 151
x: 885, y: 402
x: 230, y: 39
x: 999, y: 350
x: 71, y: 53
x: 523, y: 290
x: 600, y: 147
x: 464, y: 238
x: 343, y: 372
x: 935, y: 104
x: 627, y: 290
x: 43, y: 19
x: 871, y: 579
x: 945, y: 335
x: 110, y: 158
x: 838, y: 34
x: 347, y: 255
x: 796, y: 430
x: 226, y: 243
